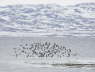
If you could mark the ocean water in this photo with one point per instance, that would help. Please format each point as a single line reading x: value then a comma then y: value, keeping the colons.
x: 71, y: 26
x: 48, y: 20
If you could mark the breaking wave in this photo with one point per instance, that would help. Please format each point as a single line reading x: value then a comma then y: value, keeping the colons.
x: 48, y: 20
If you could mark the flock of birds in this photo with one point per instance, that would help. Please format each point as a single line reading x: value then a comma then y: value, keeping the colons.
x: 42, y: 49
